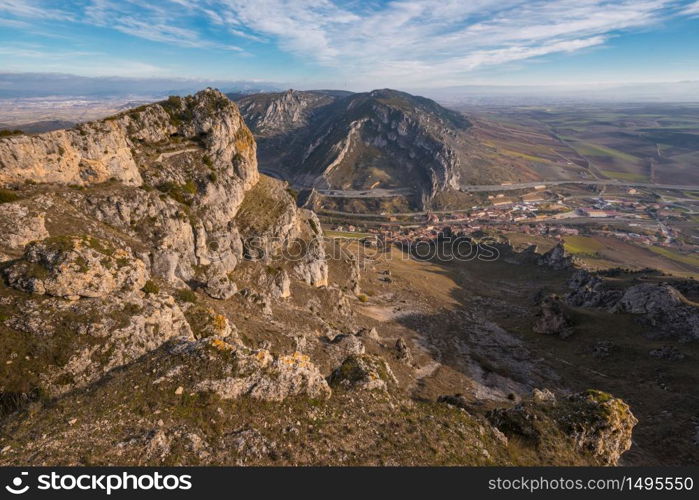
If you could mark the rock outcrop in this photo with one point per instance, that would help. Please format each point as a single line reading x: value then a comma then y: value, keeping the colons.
x: 260, y: 375
x: 557, y: 258
x: 664, y: 308
x: 595, y: 422
x: 312, y: 266
x: 552, y: 319
x: 75, y: 343
x: 363, y: 372
x: 75, y: 266
x: 21, y: 224
x: 589, y: 290
x: 661, y: 306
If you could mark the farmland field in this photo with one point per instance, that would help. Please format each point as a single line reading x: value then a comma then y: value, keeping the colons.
x: 637, y: 143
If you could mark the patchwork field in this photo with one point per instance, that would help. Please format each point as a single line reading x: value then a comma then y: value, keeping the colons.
x: 637, y: 143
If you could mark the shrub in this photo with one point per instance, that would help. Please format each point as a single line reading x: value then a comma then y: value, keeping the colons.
x: 151, y: 287
x: 7, y: 196
x: 8, y: 133
x: 186, y: 295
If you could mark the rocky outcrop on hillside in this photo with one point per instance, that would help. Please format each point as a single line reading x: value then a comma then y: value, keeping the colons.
x: 594, y: 422
x: 277, y: 113
x: 557, y: 258
x: 260, y: 375
x: 77, y: 266
x: 71, y: 344
x: 552, y: 319
x: 119, y: 221
x: 589, y: 290
x: 20, y: 224
x: 662, y: 307
x: 363, y: 372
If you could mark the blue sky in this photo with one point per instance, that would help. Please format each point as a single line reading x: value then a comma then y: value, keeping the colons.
x: 357, y: 45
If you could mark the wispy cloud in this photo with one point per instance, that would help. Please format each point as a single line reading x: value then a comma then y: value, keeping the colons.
x: 388, y: 42
x: 692, y: 9
x: 150, y: 21
x: 416, y: 40
x: 33, y: 9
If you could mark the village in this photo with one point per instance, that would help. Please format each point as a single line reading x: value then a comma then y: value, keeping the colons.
x: 643, y: 218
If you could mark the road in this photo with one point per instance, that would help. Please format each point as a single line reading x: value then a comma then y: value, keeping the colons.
x: 386, y: 193
x: 512, y: 187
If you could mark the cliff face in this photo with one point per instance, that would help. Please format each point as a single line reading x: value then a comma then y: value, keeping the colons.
x: 193, y: 159
x: 111, y: 221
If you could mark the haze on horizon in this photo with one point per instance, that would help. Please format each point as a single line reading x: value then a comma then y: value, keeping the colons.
x: 648, y: 49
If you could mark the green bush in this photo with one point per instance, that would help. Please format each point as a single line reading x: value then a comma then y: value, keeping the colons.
x: 151, y: 287
x: 186, y: 295
x: 8, y: 133
x: 7, y: 196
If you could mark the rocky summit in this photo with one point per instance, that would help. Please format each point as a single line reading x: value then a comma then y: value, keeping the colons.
x: 161, y: 296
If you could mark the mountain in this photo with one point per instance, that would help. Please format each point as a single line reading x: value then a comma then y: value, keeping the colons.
x: 380, y: 139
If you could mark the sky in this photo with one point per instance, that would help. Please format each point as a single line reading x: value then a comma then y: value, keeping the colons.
x: 357, y: 45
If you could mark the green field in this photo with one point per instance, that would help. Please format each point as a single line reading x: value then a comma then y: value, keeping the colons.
x: 590, y: 149
x: 691, y: 260
x: 582, y: 245
x: 625, y: 176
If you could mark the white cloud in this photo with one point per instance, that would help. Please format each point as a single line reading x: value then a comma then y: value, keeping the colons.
x: 692, y: 9
x: 150, y: 21
x: 414, y: 41
x: 399, y: 42
x: 32, y: 9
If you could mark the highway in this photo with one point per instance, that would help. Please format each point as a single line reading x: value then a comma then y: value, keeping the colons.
x: 525, y: 185
x: 387, y: 193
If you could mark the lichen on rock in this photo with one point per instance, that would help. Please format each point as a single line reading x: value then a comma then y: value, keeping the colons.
x: 76, y: 266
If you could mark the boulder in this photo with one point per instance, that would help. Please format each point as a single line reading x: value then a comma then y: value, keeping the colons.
x: 206, y: 322
x: 20, y: 225
x: 551, y: 319
x: 664, y: 308
x: 363, y: 372
x: 594, y: 422
x: 403, y: 351
x: 220, y: 286
x: 588, y: 290
x: 557, y: 258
